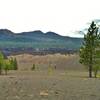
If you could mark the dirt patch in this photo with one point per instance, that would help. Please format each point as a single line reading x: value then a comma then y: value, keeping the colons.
x: 40, y: 85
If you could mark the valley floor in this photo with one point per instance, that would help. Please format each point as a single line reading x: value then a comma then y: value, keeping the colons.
x: 49, y: 85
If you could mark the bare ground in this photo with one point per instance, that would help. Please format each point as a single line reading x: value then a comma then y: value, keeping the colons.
x: 69, y: 81
x: 44, y: 85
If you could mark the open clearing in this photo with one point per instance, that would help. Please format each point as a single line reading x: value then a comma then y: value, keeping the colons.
x: 44, y: 85
x: 69, y: 81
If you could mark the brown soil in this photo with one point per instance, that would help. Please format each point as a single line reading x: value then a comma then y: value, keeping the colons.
x: 44, y: 85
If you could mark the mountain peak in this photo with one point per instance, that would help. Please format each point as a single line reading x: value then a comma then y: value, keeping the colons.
x: 5, y: 31
x: 52, y: 33
x: 36, y: 32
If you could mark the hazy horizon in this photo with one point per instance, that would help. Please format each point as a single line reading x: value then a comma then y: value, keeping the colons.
x: 64, y: 17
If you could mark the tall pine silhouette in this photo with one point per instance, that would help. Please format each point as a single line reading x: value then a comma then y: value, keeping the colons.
x: 87, y: 51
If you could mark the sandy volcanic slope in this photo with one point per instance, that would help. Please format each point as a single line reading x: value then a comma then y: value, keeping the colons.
x: 41, y: 85
x: 62, y: 62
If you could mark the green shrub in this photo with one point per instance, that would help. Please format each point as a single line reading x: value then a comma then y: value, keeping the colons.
x: 13, y: 64
x: 7, y: 66
x: 33, y: 67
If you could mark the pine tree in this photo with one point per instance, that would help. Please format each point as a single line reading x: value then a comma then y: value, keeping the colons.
x: 11, y: 64
x: 15, y: 64
x: 1, y: 61
x: 87, y: 51
x: 96, y: 66
x: 33, y: 67
x: 7, y: 66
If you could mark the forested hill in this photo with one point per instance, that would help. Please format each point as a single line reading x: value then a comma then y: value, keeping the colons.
x: 37, y: 39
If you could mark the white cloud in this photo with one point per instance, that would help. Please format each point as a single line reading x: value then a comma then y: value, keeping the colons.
x: 61, y: 16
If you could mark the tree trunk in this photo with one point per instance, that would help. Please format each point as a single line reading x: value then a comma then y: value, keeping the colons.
x: 5, y: 72
x: 95, y: 74
x: 0, y: 71
x: 91, y: 63
x: 90, y: 71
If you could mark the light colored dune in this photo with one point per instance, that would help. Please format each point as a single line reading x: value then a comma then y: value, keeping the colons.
x: 62, y: 62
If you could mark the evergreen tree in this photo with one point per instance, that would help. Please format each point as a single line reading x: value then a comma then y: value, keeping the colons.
x: 96, y: 66
x: 88, y: 50
x: 15, y: 64
x: 11, y: 64
x: 33, y: 67
x: 1, y: 61
x: 7, y: 66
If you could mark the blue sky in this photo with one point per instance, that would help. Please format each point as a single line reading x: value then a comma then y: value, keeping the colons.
x: 64, y: 17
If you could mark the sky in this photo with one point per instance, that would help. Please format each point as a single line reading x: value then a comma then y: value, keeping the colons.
x: 64, y: 17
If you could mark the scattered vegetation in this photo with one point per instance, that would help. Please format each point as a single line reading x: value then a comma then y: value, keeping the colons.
x: 7, y: 64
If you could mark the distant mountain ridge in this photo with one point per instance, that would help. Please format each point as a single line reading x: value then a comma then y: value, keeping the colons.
x: 37, y: 39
